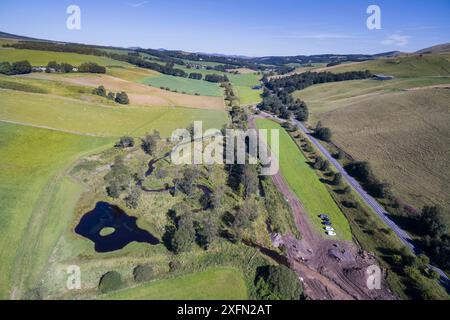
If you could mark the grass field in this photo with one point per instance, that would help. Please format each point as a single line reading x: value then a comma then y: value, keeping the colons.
x: 242, y: 84
x: 213, y: 284
x: 186, y: 85
x: 41, y: 58
x: 80, y: 117
x: 34, y: 208
x: 305, y: 183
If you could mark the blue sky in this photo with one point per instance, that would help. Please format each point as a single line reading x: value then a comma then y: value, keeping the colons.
x: 246, y: 27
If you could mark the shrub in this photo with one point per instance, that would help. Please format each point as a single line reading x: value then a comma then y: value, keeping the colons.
x: 143, y: 273
x: 110, y: 281
x: 324, y: 134
x: 100, y: 91
x: 125, y: 142
x: 280, y: 283
x: 122, y: 98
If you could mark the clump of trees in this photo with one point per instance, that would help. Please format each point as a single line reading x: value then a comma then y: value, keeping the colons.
x: 437, y: 238
x: 284, y: 105
x: 362, y: 171
x: 91, y: 67
x: 19, y: 67
x: 125, y: 142
x: 184, y: 236
x: 216, y: 78
x: 118, y: 178
x: 63, y: 67
x: 278, y: 283
x: 120, y: 97
x: 196, y: 76
x: 150, y: 142
x: 323, y: 133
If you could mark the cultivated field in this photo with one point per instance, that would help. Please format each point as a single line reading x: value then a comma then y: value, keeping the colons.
x: 185, y: 85
x: 213, y: 284
x: 139, y: 94
x: 36, y: 202
x: 305, y: 183
x: 91, y: 118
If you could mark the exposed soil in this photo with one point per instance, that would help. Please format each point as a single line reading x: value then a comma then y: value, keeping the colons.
x: 329, y: 269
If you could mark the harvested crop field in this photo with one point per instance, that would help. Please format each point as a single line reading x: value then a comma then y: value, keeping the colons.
x: 139, y: 94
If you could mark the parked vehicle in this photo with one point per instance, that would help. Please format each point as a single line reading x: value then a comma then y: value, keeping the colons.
x: 327, y: 223
x: 329, y: 228
x: 331, y: 233
x: 324, y: 217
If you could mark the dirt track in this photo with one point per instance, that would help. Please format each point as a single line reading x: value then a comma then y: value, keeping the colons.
x: 330, y: 269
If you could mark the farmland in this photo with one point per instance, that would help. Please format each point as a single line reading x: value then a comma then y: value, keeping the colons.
x: 243, y: 84
x: 213, y: 284
x: 139, y: 94
x: 41, y: 58
x: 84, y: 117
x: 186, y: 85
x: 32, y: 202
x: 305, y: 183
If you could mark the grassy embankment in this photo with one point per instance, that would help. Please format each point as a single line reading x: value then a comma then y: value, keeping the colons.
x: 305, y: 183
x: 212, y: 284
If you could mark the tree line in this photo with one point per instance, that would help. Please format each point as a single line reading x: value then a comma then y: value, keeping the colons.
x: 307, y: 79
x: 25, y: 67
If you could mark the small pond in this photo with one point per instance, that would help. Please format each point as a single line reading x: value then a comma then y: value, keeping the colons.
x: 111, y: 229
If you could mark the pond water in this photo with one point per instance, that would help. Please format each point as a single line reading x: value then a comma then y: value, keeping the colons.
x: 125, y: 229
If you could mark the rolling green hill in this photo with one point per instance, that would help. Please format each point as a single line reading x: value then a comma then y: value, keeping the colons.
x: 41, y: 58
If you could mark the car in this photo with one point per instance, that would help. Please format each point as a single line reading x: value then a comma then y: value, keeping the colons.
x: 324, y: 217
x: 327, y: 223
x: 329, y: 228
x: 331, y: 233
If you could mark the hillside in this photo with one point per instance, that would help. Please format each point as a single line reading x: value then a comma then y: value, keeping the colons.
x: 401, y: 66
x: 441, y: 48
x: 403, y: 133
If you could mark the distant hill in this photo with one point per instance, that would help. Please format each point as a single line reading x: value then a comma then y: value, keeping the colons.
x: 14, y: 36
x: 387, y: 54
x: 441, y: 48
